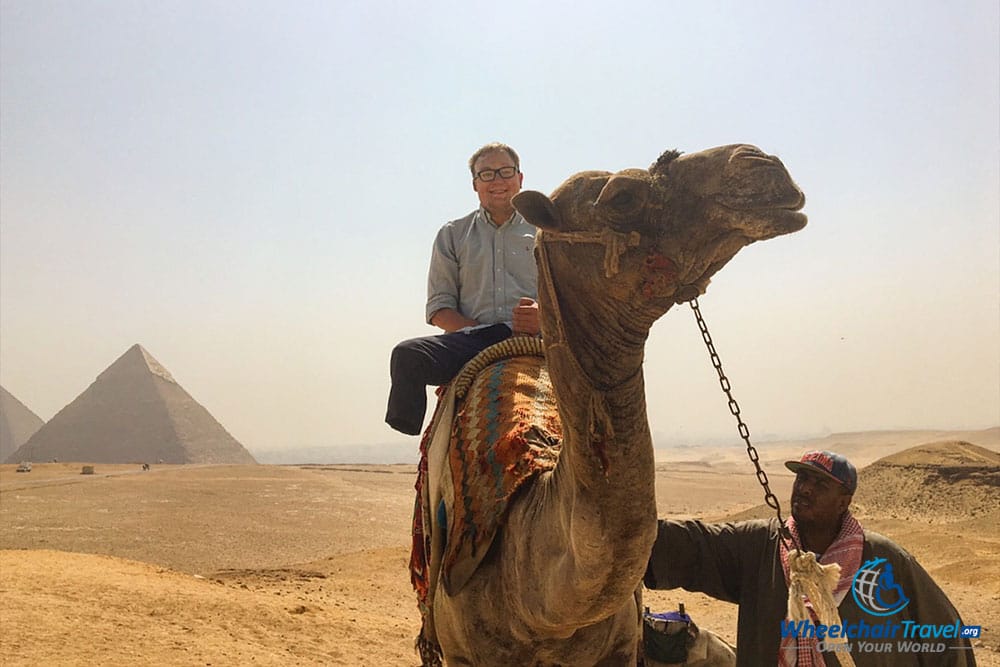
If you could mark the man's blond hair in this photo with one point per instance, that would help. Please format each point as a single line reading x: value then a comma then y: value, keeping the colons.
x: 491, y: 148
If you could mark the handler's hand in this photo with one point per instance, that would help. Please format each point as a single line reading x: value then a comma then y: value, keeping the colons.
x: 526, y: 317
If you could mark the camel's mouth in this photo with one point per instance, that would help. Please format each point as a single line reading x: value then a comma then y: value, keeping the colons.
x: 770, y: 220
x: 788, y: 198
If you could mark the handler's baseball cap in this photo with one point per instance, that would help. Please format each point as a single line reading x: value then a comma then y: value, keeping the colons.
x: 833, y: 465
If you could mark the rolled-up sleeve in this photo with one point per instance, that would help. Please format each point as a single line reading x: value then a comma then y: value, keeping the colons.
x: 442, y: 278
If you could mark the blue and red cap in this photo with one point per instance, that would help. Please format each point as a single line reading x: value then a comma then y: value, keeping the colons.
x: 830, y: 464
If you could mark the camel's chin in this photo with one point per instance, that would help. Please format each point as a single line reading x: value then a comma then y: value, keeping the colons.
x: 660, y: 301
x: 684, y: 294
x: 792, y: 221
x: 774, y: 222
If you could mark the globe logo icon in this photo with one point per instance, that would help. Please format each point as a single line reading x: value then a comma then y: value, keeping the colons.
x: 875, y: 589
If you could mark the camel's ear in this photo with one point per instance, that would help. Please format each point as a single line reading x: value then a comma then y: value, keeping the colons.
x: 623, y: 196
x: 537, y: 209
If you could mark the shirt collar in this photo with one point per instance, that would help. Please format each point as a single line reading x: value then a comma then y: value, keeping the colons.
x: 489, y: 218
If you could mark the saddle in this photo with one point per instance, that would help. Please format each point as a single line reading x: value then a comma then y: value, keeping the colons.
x: 495, y: 426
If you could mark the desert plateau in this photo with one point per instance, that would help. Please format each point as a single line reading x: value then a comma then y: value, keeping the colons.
x: 307, y: 564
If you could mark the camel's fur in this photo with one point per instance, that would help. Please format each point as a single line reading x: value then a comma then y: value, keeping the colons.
x: 559, y: 584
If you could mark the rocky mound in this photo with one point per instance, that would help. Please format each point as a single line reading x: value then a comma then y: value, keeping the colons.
x: 934, y: 482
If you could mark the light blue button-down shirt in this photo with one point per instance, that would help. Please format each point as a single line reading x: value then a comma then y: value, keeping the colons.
x: 482, y: 270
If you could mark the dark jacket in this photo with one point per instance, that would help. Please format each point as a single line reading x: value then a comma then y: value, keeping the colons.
x: 741, y: 563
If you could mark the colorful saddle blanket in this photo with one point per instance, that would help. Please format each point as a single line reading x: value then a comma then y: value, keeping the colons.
x: 502, y: 428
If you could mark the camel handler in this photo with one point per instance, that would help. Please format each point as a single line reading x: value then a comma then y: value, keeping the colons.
x: 481, y: 288
x: 891, y: 613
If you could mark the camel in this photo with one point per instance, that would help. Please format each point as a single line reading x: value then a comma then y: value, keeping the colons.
x: 560, y: 582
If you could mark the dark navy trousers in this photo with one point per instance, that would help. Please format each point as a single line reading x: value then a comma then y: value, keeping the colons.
x: 430, y: 360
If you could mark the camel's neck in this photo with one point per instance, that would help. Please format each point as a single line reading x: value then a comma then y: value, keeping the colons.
x: 594, y: 353
x: 604, y: 481
x: 607, y: 445
x: 604, y: 338
x: 594, y: 357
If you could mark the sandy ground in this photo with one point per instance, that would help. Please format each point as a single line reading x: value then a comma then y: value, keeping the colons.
x: 307, y: 565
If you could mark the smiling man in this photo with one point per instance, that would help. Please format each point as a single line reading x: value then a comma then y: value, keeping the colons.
x: 888, y: 604
x: 481, y: 288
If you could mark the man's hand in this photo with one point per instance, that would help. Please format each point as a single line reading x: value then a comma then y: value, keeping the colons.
x: 525, y: 318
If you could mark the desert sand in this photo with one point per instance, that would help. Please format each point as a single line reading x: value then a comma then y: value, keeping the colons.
x: 307, y: 565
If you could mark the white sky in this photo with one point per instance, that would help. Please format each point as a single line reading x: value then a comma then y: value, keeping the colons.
x: 250, y: 191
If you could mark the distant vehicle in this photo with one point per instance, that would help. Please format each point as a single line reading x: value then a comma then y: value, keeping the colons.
x: 24, y: 467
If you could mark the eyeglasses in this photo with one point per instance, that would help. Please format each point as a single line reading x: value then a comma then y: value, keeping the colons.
x: 502, y: 172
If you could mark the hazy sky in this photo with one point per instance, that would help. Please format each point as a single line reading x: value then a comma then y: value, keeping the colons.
x: 250, y: 190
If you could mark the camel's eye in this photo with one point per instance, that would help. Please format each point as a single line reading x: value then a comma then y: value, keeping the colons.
x: 622, y: 198
x: 622, y: 201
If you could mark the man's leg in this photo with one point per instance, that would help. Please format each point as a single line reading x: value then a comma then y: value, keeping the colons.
x: 430, y: 360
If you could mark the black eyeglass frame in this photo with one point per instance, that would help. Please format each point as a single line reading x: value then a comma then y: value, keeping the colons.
x: 487, y: 175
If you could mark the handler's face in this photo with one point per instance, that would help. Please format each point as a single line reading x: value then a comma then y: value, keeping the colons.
x: 818, y: 500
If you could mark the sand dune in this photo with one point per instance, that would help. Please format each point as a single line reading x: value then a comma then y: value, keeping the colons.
x: 941, y: 482
x: 307, y: 565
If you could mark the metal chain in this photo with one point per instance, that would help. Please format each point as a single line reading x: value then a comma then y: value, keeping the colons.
x: 769, y: 497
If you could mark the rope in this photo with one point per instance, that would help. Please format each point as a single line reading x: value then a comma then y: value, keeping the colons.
x: 815, y: 581
x: 615, y: 244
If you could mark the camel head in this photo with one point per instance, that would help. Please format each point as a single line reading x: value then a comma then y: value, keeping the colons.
x: 641, y: 240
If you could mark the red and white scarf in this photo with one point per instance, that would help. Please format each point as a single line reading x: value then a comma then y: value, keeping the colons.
x: 845, y: 551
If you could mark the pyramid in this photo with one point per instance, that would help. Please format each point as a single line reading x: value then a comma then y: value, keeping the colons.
x: 17, y: 424
x: 134, y: 412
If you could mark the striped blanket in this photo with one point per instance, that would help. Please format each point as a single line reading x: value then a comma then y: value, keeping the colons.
x: 492, y: 431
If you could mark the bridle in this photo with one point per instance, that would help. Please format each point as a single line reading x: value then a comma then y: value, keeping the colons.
x: 600, y: 429
x: 615, y: 244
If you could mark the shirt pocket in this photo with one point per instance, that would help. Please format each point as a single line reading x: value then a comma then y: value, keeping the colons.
x: 521, y: 258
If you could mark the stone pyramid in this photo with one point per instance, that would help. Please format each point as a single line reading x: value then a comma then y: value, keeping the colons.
x: 17, y: 424
x: 134, y: 412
